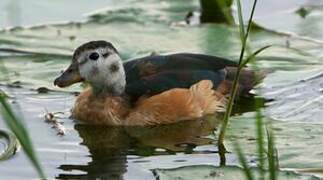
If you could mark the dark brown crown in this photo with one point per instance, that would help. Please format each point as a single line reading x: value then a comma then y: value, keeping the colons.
x: 91, y: 46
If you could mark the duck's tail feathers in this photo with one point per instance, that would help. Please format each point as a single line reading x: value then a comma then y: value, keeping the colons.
x: 248, y: 79
x: 209, y: 100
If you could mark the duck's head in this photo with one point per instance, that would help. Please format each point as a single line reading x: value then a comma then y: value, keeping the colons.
x: 99, y: 64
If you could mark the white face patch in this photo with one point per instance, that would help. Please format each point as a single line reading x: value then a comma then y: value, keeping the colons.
x: 102, y: 72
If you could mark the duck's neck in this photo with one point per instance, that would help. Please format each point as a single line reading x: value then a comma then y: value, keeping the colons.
x: 99, y: 90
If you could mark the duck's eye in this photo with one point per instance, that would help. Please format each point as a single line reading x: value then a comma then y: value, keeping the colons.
x: 105, y: 55
x: 94, y: 56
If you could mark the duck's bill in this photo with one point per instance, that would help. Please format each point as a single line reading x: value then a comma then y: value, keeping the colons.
x: 70, y: 76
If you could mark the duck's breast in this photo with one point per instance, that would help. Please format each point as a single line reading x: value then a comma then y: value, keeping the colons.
x: 99, y: 110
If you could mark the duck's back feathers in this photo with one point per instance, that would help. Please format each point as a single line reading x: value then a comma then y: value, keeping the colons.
x: 154, y: 74
x: 166, y: 80
x: 150, y: 65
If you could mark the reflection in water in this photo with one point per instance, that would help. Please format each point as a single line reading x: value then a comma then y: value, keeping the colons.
x: 13, y: 12
x: 247, y: 104
x: 109, y: 146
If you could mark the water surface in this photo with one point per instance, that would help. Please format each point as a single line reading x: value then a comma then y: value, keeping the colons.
x: 138, y: 29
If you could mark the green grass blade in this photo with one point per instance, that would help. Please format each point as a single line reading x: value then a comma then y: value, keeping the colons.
x: 241, y: 23
x: 260, y: 138
x: 276, y: 158
x: 272, y: 164
x: 243, y: 162
x: 244, y: 40
x: 253, y: 55
x: 236, y: 78
x: 21, y: 133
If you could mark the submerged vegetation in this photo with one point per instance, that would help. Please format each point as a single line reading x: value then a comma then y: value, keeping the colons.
x: 12, y: 146
x: 214, y: 11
